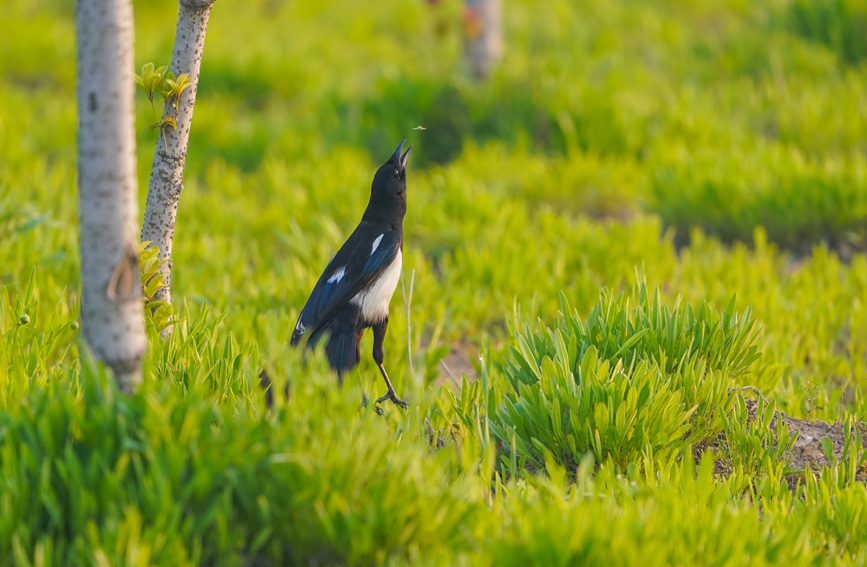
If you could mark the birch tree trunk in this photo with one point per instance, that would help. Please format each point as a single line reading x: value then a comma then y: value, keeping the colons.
x: 170, y: 156
x: 483, y: 41
x: 112, y: 314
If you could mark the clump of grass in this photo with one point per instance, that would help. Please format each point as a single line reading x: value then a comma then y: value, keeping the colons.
x: 629, y: 380
x: 171, y: 476
x: 37, y: 339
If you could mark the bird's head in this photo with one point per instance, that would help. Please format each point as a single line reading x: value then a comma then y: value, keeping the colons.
x: 390, y: 178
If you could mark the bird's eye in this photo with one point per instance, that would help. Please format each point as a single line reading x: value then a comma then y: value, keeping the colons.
x: 397, y: 173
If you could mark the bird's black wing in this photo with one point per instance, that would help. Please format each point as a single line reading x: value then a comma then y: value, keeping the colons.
x: 359, y: 261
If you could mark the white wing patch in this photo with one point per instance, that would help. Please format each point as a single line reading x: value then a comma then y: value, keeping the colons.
x: 300, y: 328
x: 376, y: 243
x: 338, y: 275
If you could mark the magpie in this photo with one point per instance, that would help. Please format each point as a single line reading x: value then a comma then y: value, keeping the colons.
x: 354, y: 291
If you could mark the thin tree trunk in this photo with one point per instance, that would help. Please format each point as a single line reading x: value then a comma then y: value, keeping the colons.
x: 483, y: 41
x: 112, y: 314
x: 170, y: 156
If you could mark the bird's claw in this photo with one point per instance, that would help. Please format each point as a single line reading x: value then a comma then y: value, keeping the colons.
x: 379, y: 411
x: 393, y: 397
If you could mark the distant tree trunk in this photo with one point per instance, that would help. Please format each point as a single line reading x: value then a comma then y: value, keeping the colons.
x: 483, y: 41
x: 112, y: 314
x: 170, y: 156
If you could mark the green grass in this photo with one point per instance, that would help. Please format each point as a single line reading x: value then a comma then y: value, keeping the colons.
x: 623, y: 382
x: 578, y: 227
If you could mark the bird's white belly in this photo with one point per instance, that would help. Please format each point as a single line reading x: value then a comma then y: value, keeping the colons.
x: 375, y: 299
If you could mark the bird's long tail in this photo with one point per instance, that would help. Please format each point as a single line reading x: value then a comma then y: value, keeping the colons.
x: 344, y: 340
x: 342, y: 350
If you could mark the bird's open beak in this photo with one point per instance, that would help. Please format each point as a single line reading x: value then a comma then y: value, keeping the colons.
x: 401, y: 159
x: 405, y: 158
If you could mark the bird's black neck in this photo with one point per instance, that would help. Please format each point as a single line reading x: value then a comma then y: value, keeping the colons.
x: 386, y: 209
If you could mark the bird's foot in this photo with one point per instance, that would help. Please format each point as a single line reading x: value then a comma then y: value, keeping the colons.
x: 393, y: 397
x: 376, y: 408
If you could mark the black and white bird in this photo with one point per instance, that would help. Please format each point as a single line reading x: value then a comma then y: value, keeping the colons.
x: 354, y: 291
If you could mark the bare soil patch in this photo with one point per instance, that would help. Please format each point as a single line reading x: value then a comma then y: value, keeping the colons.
x: 807, y: 450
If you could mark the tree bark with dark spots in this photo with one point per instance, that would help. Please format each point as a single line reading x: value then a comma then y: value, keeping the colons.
x: 170, y: 156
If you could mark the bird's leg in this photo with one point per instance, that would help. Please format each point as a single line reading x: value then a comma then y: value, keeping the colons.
x: 390, y: 395
x: 378, y: 356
